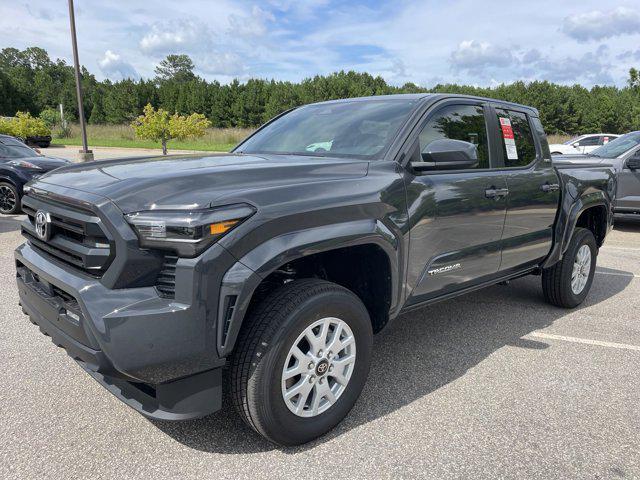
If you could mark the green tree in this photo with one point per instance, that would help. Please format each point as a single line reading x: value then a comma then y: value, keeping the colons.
x: 634, y: 78
x: 178, y: 68
x: 159, y: 126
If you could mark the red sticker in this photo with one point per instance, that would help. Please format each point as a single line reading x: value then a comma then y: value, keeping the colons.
x: 507, y: 131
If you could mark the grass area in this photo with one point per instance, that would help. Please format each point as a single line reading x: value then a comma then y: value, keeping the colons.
x: 216, y: 139
x: 560, y: 138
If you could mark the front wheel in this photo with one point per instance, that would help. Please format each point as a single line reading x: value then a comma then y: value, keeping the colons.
x: 9, y: 199
x: 301, y: 361
x: 567, y: 283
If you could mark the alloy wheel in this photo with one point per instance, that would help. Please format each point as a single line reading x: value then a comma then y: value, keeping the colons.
x: 318, y: 367
x: 581, y: 269
x: 7, y: 199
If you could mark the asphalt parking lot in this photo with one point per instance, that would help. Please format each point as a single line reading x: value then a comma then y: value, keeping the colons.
x: 496, y: 384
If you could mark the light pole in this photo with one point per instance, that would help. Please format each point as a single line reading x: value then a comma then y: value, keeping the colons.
x: 86, y: 155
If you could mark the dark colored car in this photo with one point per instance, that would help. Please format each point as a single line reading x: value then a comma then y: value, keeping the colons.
x: 18, y: 165
x: 41, y: 141
x: 278, y: 262
x: 623, y: 154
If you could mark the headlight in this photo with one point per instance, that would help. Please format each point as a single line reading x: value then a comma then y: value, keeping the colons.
x: 187, y: 232
x: 24, y: 164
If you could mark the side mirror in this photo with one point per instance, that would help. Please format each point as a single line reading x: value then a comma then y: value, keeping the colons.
x: 448, y: 154
x: 634, y: 162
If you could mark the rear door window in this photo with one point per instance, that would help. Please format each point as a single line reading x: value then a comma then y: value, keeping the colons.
x: 518, y: 145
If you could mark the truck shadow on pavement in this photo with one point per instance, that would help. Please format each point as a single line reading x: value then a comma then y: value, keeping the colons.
x: 10, y: 223
x: 628, y: 225
x: 422, y: 352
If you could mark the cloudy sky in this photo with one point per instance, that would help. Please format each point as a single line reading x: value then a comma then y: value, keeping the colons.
x: 430, y: 41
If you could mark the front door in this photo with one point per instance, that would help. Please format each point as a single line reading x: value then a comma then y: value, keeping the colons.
x: 456, y: 216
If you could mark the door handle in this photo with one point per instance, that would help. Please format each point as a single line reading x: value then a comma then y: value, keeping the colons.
x: 550, y: 187
x: 496, y: 193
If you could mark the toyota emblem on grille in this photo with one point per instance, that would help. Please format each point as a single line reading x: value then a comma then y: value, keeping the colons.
x: 43, y: 225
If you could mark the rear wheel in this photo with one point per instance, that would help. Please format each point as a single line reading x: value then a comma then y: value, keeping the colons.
x: 9, y: 199
x: 567, y: 283
x: 301, y: 361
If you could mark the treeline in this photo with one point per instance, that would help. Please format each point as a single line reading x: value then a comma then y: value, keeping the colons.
x: 30, y: 81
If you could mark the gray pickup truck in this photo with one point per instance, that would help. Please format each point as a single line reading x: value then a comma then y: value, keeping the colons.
x: 623, y: 154
x: 269, y: 269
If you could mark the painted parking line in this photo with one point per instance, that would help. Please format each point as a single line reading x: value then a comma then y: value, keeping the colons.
x: 586, y: 341
x: 618, y: 274
x: 611, y: 247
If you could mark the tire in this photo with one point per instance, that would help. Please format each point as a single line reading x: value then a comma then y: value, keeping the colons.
x: 556, y: 153
x: 557, y: 280
x: 9, y: 199
x: 265, y: 345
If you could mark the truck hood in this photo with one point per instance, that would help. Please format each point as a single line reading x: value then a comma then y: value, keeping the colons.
x: 197, y: 181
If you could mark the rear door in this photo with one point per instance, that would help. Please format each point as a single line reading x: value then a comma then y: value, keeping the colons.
x: 534, y: 189
x: 456, y: 216
x: 628, y: 193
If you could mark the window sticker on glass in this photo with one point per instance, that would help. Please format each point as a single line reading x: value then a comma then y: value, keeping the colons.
x: 509, y: 139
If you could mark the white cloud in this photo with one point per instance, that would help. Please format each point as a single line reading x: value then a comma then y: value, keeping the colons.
x: 591, y: 67
x: 175, y: 36
x: 475, y: 56
x: 597, y: 25
x: 253, y: 25
x: 112, y: 65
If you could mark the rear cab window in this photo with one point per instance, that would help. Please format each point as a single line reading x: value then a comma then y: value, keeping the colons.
x: 518, y: 144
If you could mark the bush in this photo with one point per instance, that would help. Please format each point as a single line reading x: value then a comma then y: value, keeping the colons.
x: 24, y: 125
x: 6, y: 126
x: 64, y: 131
x: 50, y: 116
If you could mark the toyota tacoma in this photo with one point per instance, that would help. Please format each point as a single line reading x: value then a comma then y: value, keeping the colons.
x: 268, y: 270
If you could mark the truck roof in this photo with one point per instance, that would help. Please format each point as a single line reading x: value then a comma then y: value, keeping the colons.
x: 431, y: 98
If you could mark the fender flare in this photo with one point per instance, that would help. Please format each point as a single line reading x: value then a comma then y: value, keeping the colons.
x: 241, y: 280
x: 567, y: 221
x: 7, y: 179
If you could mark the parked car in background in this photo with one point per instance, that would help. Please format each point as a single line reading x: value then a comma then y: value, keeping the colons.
x: 623, y: 153
x: 18, y: 165
x: 41, y: 141
x: 279, y: 261
x: 582, y: 144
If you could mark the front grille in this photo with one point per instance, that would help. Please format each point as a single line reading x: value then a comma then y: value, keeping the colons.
x: 166, y: 281
x: 77, y: 237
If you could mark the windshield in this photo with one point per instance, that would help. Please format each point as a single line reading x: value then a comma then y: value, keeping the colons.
x: 10, y: 148
x: 357, y: 129
x: 618, y: 146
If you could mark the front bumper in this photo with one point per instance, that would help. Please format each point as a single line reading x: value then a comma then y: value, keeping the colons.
x: 156, y: 354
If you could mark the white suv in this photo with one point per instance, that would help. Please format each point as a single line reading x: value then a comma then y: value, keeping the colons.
x: 582, y: 144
